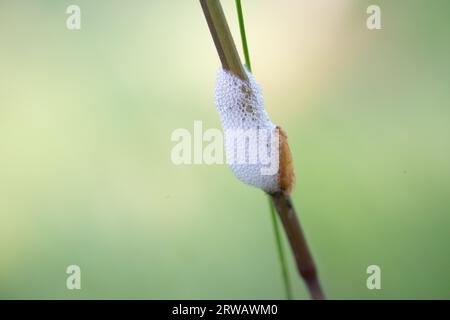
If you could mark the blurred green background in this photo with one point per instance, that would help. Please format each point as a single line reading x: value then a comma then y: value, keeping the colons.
x: 85, y: 170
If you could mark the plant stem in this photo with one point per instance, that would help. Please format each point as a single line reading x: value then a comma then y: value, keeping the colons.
x: 284, y: 270
x: 230, y: 61
x: 222, y: 37
x: 303, y: 257
x: 243, y: 35
x: 276, y: 230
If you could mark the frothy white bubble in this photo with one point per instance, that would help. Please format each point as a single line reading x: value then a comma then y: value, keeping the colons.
x: 241, y: 107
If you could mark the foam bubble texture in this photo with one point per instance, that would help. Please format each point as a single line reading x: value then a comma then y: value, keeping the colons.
x: 241, y: 107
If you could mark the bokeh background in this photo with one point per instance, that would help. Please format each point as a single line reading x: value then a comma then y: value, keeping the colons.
x: 85, y: 170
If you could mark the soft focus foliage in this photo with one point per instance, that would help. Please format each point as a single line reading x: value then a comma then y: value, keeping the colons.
x: 85, y: 170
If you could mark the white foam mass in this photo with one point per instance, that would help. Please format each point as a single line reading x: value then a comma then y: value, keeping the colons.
x: 241, y: 107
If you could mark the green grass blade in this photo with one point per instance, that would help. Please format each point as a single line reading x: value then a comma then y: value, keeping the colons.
x: 276, y: 228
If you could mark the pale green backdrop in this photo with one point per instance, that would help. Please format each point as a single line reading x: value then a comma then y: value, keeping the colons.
x: 85, y: 171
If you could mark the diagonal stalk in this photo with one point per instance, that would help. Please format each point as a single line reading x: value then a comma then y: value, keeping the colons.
x: 284, y: 269
x: 222, y: 37
x: 303, y: 258
x: 231, y: 61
